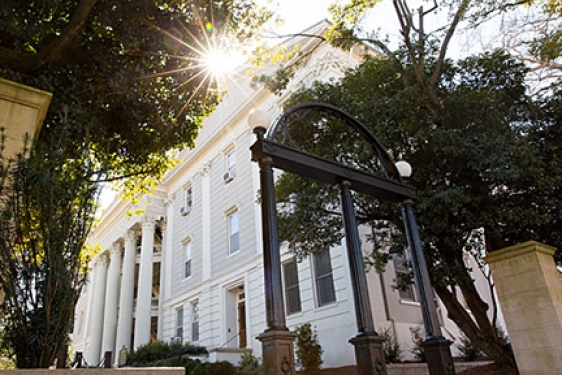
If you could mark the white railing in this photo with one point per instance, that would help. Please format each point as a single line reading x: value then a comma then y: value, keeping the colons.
x: 157, y: 249
x: 153, y: 303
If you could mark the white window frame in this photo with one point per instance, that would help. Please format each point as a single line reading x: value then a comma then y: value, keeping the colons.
x: 294, y: 288
x: 230, y: 164
x: 399, y: 262
x: 319, y: 278
x: 195, y: 321
x: 179, y: 323
x: 231, y: 161
x: 188, y: 196
x: 187, y: 256
x: 230, y: 215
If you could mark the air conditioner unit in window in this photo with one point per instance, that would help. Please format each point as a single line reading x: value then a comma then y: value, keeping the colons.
x: 185, y: 210
x: 229, y: 176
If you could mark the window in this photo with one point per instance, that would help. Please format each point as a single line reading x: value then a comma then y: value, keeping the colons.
x: 185, y: 209
x: 179, y: 325
x: 187, y: 259
x: 292, y: 291
x: 406, y: 289
x: 233, y: 234
x: 195, y: 321
x: 230, y: 166
x: 325, y: 291
x: 231, y: 161
x: 188, y: 197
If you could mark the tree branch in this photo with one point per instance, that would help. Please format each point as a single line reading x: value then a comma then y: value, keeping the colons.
x: 461, y: 11
x: 56, y: 50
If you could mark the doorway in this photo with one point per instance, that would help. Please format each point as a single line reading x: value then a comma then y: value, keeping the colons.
x: 242, y: 341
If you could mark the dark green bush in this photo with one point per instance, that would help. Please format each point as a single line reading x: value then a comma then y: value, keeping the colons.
x: 249, y: 365
x: 212, y: 368
x: 160, y: 351
x: 308, y: 350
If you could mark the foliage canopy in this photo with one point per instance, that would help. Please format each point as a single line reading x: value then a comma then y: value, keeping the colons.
x: 129, y: 87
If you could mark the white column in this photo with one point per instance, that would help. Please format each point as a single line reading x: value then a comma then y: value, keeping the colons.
x: 161, y: 298
x: 167, y: 262
x: 95, y: 328
x: 126, y: 299
x: 144, y: 290
x: 206, y: 235
x: 111, y: 299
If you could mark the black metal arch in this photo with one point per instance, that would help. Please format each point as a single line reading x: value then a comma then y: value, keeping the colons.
x: 271, y: 153
x: 299, y: 111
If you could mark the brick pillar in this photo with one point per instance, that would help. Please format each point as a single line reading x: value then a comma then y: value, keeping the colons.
x: 530, y: 295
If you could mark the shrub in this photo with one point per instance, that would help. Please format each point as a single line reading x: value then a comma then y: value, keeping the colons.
x: 468, y: 351
x: 160, y: 351
x: 309, y: 351
x: 211, y: 368
x: 249, y: 365
x: 392, y: 350
x: 418, y: 339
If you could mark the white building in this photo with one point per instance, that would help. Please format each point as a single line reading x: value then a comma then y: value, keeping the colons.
x: 190, y: 268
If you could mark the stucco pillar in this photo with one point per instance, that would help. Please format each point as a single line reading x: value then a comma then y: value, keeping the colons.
x: 127, y: 296
x: 95, y: 326
x: 163, y: 284
x: 111, y: 300
x: 206, y: 232
x: 530, y: 295
x: 22, y: 111
x: 144, y: 290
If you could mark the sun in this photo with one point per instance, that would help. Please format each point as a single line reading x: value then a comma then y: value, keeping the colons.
x: 220, y: 62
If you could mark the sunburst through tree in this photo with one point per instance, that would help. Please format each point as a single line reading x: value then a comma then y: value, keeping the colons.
x: 129, y: 83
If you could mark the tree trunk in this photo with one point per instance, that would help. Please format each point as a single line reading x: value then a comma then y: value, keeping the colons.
x: 477, y: 326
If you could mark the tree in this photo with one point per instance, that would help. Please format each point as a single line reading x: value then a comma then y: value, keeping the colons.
x: 479, y: 170
x: 455, y: 179
x: 127, y: 74
x: 47, y: 211
x: 129, y: 86
x: 531, y: 31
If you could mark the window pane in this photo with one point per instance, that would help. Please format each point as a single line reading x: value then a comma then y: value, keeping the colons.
x: 195, y: 322
x: 188, y: 197
x: 187, y: 260
x: 326, y: 292
x: 402, y: 270
x: 292, y: 292
x: 179, y: 324
x: 231, y: 160
x: 187, y: 269
x: 233, y: 223
x: 322, y: 263
x: 234, y: 241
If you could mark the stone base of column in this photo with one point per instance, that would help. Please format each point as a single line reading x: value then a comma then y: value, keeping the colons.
x: 278, y: 352
x: 438, y: 355
x: 369, y: 354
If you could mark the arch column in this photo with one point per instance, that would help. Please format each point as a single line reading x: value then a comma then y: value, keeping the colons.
x: 144, y: 289
x: 95, y: 326
x: 126, y: 298
x: 111, y: 300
